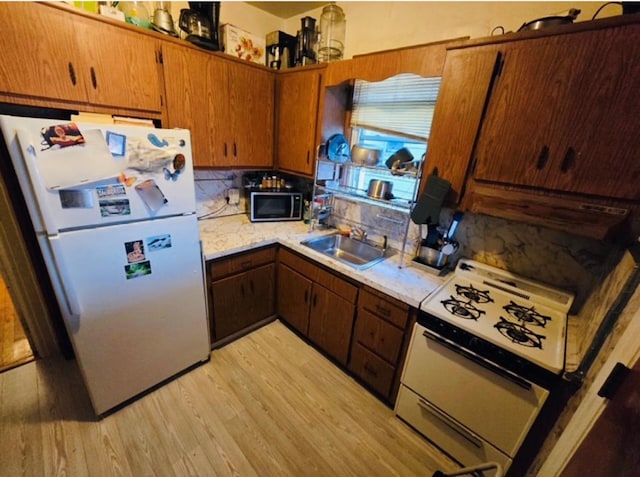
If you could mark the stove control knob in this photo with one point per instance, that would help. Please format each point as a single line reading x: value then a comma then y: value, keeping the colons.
x: 475, y: 344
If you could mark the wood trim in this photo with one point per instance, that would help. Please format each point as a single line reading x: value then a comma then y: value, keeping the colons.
x: 23, y: 282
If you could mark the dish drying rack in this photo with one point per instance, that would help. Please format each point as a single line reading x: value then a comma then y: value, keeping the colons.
x: 334, y: 180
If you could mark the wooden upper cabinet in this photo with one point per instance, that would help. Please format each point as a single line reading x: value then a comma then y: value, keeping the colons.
x: 466, y: 80
x: 39, y: 53
x: 52, y: 54
x: 297, y: 105
x: 562, y: 115
x: 187, y: 95
x: 227, y: 106
x: 250, y: 96
x: 121, y: 66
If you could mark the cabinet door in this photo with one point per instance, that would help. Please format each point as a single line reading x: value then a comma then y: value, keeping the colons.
x: 242, y: 300
x: 600, y: 135
x: 39, y: 54
x: 294, y: 293
x: 466, y: 80
x: 515, y: 143
x: 331, y: 323
x: 120, y: 66
x: 188, y: 95
x: 297, y: 105
x: 562, y: 115
x: 251, y: 99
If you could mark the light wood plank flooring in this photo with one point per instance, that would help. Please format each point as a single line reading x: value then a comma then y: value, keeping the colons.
x: 265, y: 405
x: 14, y: 346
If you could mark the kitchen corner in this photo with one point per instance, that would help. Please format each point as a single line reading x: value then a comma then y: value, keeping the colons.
x: 224, y: 236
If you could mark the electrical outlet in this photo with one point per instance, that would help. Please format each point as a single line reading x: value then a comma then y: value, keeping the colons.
x: 234, y: 196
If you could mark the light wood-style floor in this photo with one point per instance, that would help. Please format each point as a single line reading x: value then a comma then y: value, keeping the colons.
x: 265, y: 405
x: 14, y: 346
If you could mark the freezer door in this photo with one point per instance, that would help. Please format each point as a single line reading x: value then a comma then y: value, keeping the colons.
x: 134, y: 304
x: 143, y: 173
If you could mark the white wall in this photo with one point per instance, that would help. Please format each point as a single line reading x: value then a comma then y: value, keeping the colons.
x: 375, y: 26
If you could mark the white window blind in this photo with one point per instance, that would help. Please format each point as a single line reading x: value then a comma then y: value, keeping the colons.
x: 402, y: 104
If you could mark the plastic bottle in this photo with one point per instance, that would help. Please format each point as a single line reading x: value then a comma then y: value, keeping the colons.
x: 332, y: 32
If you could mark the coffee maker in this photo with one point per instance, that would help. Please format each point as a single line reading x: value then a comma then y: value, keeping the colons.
x: 200, y: 22
x: 307, y: 42
x: 281, y: 50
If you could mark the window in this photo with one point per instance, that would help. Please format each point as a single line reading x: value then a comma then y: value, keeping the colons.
x: 392, y: 114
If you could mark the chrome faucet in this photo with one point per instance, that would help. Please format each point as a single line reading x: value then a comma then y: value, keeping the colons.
x: 358, y: 234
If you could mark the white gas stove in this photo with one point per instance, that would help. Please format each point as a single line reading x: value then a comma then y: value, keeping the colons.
x: 513, y: 313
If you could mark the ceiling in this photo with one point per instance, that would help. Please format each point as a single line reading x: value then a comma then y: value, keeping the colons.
x: 287, y: 9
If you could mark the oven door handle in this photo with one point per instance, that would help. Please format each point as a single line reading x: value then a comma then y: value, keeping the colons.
x: 441, y: 416
x: 480, y: 361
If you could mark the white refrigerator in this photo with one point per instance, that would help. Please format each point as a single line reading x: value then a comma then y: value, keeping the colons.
x: 113, y: 208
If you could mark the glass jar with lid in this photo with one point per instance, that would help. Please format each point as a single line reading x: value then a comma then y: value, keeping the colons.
x: 332, y: 32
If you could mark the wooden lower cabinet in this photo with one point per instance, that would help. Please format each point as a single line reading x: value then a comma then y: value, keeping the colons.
x: 242, y: 292
x: 380, y: 339
x: 317, y: 303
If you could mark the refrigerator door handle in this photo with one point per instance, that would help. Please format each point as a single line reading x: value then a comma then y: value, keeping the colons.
x: 70, y: 298
x: 38, y: 189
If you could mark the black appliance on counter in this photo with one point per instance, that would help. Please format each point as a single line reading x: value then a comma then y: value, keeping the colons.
x: 200, y: 22
x: 307, y: 42
x: 281, y: 50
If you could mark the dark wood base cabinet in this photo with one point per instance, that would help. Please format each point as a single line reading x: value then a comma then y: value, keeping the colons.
x: 381, y: 336
x: 242, y: 293
x: 317, y: 303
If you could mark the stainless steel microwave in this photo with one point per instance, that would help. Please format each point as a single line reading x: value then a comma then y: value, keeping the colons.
x: 274, y: 206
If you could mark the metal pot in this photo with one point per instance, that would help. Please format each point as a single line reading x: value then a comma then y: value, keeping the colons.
x: 545, y: 22
x: 379, y: 189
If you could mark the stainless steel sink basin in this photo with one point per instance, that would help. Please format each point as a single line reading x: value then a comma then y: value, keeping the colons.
x: 355, y: 253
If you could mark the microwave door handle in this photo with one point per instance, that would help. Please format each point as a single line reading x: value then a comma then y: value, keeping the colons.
x: 480, y: 361
x: 293, y: 202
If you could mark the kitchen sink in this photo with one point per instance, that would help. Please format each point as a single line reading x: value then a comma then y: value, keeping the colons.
x: 356, y: 253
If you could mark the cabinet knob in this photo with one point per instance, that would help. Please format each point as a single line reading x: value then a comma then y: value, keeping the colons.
x: 94, y: 80
x: 543, y: 158
x: 569, y: 160
x: 72, y: 74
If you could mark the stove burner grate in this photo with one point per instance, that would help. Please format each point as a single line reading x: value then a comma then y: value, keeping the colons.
x: 526, y: 315
x: 519, y: 334
x: 473, y: 294
x: 462, y: 309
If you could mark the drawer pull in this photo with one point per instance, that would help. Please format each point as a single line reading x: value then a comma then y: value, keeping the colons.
x: 383, y: 311
x: 465, y: 433
x: 246, y: 264
x: 569, y: 160
x: 370, y: 370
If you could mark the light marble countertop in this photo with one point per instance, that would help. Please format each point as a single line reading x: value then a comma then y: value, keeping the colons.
x: 225, y: 236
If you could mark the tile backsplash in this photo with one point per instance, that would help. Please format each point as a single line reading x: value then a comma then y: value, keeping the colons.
x: 570, y: 262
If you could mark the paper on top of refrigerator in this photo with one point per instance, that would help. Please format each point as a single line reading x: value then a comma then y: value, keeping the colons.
x: 67, y: 157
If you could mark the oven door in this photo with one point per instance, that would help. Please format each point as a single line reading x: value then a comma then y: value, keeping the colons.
x: 476, y: 395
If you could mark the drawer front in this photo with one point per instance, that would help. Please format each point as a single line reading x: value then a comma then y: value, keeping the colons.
x: 392, y: 311
x: 378, y: 336
x: 240, y: 263
x: 374, y: 371
x: 447, y: 434
x: 327, y: 279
